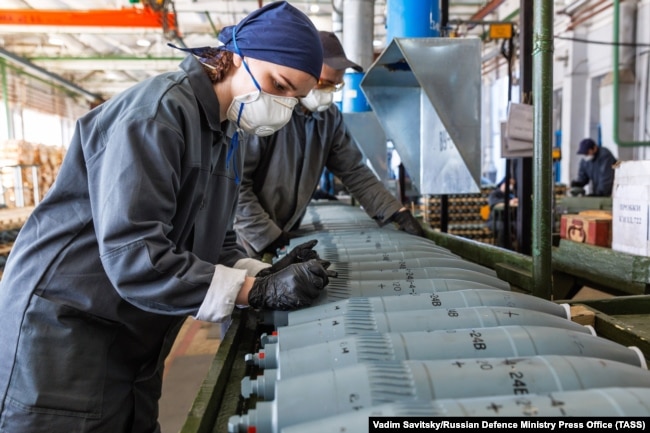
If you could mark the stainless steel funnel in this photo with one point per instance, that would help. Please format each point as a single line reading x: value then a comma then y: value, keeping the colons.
x: 426, y: 93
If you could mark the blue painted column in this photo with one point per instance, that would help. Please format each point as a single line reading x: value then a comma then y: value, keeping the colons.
x: 412, y: 19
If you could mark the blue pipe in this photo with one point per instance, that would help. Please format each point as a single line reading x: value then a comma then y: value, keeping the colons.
x: 557, y: 166
x: 354, y: 100
x: 412, y: 19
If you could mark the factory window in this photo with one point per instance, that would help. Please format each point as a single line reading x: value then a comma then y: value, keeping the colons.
x: 49, y: 129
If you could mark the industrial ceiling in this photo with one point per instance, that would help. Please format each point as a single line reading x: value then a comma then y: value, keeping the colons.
x: 102, y: 47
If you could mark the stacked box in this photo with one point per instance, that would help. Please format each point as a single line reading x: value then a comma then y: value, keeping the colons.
x: 588, y: 229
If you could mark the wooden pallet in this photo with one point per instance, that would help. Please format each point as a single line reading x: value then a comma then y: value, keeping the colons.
x: 14, y: 218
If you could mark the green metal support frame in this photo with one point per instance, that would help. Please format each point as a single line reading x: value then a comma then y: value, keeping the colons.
x: 573, y: 266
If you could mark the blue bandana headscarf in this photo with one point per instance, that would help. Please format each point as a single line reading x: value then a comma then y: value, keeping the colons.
x: 277, y: 33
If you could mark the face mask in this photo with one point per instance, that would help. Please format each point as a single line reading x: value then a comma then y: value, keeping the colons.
x: 261, y: 113
x: 588, y: 157
x: 317, y: 100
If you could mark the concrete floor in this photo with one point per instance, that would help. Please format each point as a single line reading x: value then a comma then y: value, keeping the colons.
x: 185, y: 368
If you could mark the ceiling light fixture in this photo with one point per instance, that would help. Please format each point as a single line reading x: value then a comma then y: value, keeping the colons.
x: 55, y: 40
x: 112, y: 75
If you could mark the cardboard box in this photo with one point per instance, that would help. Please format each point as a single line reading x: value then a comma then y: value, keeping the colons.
x: 631, y: 207
x: 605, y: 214
x: 586, y: 229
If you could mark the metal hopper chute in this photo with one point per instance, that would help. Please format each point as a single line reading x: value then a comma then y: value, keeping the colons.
x: 426, y: 93
x: 369, y: 135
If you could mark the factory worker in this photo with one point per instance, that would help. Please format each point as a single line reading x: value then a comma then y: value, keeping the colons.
x: 281, y: 171
x: 597, y: 167
x: 113, y: 259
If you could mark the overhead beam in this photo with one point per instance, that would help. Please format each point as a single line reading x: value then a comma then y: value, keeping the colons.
x: 123, y: 18
x: 92, y: 97
x: 75, y: 30
x: 486, y: 10
x: 108, y: 63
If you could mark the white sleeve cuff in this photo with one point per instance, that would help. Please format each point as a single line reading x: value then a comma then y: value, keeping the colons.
x: 220, y: 299
x: 252, y: 266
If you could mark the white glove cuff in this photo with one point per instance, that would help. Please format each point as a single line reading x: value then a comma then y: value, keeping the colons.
x: 220, y: 299
x: 251, y: 266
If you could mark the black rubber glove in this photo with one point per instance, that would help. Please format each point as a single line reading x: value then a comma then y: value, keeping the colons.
x: 279, y: 243
x: 293, y: 287
x: 299, y: 254
x: 407, y: 222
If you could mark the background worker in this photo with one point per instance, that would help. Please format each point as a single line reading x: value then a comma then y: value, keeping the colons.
x: 498, y: 216
x: 597, y: 167
x: 120, y: 251
x: 282, y: 171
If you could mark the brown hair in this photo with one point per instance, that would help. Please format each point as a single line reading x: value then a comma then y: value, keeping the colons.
x: 216, y: 63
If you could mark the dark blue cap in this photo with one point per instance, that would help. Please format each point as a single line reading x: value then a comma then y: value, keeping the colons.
x: 585, y: 145
x: 277, y: 33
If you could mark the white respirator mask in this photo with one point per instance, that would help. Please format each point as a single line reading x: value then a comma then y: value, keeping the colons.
x: 261, y: 113
x: 317, y: 100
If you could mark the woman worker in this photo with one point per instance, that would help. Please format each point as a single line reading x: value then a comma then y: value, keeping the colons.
x: 136, y: 234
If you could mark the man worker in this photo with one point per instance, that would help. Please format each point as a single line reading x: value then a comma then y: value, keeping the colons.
x: 282, y: 171
x: 596, y: 167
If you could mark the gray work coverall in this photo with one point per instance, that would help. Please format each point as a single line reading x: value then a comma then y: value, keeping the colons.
x: 120, y: 251
x: 281, y: 173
